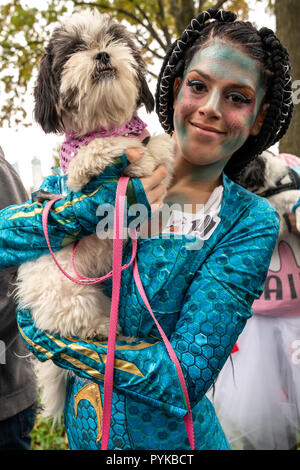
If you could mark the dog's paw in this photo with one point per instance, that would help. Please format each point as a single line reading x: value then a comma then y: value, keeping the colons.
x: 92, y: 159
x: 102, y: 331
x: 162, y: 150
x: 127, y: 339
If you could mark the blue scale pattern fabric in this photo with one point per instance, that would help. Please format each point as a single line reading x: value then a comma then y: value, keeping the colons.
x: 202, y: 299
x: 85, y: 425
x: 136, y: 426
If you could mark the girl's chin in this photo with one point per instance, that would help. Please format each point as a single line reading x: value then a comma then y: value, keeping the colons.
x: 204, y: 160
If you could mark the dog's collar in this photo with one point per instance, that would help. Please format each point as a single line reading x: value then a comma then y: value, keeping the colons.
x: 294, y: 184
x: 69, y: 149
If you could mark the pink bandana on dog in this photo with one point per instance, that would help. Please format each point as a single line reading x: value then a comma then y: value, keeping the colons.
x: 69, y: 149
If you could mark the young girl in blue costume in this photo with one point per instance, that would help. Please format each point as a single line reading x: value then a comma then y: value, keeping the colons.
x: 224, y: 92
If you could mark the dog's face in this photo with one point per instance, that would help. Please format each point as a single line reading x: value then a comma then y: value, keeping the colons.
x: 91, y: 74
x: 264, y: 173
x: 271, y: 177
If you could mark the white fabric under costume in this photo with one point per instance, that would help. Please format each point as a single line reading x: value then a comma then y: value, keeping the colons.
x: 257, y: 393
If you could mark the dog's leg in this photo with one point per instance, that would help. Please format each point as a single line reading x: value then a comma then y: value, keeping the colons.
x: 94, y: 158
x: 60, y: 306
x: 52, y: 380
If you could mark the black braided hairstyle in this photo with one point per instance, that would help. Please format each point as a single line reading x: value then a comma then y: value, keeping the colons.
x: 262, y: 46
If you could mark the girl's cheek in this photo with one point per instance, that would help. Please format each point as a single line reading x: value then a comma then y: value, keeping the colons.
x: 234, y: 121
x: 240, y: 121
x: 185, y: 109
x: 186, y: 98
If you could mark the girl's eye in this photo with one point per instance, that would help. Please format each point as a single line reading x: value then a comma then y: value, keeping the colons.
x: 239, y: 98
x: 196, y: 85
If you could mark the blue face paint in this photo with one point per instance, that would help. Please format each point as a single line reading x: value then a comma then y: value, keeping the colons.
x: 222, y: 92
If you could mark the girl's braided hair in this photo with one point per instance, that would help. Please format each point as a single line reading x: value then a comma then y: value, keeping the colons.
x: 262, y: 46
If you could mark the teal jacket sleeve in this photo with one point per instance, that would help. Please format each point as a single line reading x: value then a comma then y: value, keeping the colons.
x: 73, y: 217
x: 215, y: 309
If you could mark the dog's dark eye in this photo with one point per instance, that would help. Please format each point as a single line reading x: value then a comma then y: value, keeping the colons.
x: 76, y: 44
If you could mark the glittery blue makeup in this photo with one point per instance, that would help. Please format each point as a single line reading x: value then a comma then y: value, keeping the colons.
x: 218, y: 102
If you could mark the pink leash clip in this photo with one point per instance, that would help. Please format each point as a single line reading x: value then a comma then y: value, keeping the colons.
x: 116, y: 284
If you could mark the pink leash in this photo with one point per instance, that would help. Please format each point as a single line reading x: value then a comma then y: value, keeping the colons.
x: 85, y: 280
x: 116, y: 284
x: 188, y: 419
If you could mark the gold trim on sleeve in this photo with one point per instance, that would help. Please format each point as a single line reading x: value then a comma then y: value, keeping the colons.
x: 125, y: 347
x: 125, y: 366
x: 119, y: 364
x: 39, y: 348
x: 82, y: 366
x: 57, y: 210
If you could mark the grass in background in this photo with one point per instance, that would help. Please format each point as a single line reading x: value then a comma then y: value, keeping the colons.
x: 46, y: 437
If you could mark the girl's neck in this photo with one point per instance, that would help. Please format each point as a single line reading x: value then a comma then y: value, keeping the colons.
x: 200, y: 178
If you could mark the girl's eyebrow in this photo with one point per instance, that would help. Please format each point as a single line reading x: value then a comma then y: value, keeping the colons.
x: 231, y: 85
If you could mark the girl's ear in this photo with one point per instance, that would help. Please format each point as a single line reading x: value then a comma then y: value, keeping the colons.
x: 256, y: 128
x: 176, y: 87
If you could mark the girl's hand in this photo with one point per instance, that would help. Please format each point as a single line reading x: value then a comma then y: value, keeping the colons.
x: 153, y: 187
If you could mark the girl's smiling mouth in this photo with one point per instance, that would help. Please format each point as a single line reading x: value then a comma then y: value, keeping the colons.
x: 206, y: 130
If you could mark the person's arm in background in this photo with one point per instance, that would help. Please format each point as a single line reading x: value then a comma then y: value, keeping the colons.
x: 214, y: 312
x: 293, y: 219
x: 12, y: 189
x: 73, y: 217
x: 18, y: 390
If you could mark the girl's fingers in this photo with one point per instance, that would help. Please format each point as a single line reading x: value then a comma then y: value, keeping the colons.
x: 150, y: 182
x: 156, y: 194
x: 154, y: 189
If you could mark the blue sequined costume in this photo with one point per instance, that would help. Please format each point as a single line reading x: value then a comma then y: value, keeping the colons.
x: 202, y: 299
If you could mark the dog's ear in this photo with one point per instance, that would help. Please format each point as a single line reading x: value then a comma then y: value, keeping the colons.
x: 145, y: 96
x: 253, y: 176
x: 46, y: 94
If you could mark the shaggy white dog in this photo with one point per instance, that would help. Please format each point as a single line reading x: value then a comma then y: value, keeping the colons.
x: 91, y: 75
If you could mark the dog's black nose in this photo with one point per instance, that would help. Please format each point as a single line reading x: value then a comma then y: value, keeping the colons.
x: 103, y: 57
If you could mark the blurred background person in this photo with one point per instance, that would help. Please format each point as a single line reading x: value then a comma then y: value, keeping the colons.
x: 18, y: 391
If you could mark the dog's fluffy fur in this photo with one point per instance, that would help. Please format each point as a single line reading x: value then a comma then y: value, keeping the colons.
x: 91, y: 74
x: 268, y: 172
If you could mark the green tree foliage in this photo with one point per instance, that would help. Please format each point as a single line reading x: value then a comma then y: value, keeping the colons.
x: 26, y: 25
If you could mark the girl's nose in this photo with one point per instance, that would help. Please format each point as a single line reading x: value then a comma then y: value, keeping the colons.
x: 211, y: 105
